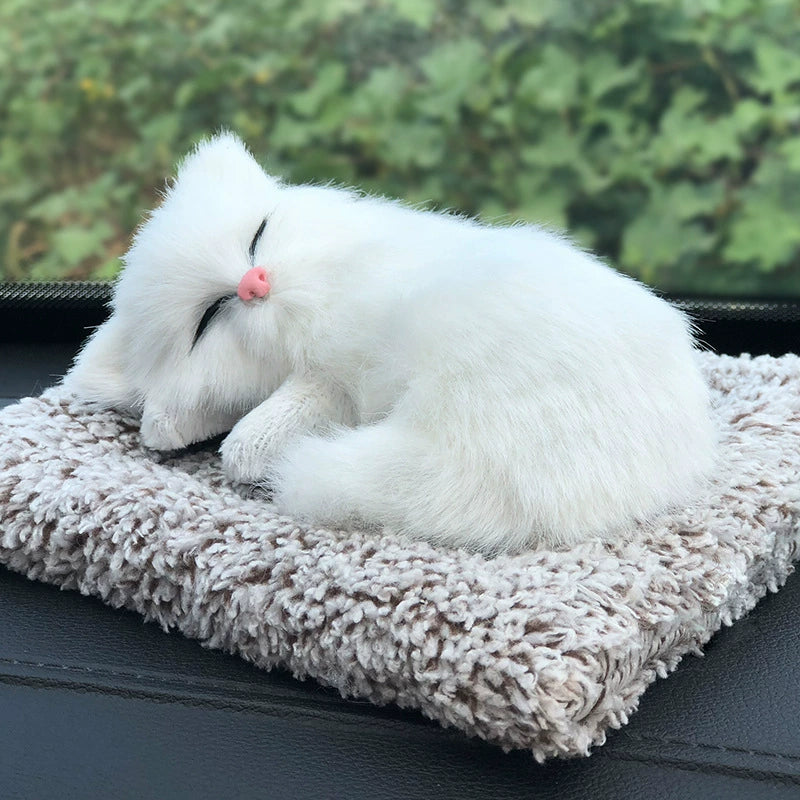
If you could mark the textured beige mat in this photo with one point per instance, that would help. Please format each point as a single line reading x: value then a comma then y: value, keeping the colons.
x: 543, y: 651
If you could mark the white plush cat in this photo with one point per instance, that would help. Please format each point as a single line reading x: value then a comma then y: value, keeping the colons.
x: 489, y: 387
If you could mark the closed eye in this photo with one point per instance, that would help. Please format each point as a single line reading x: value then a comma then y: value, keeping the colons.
x: 252, y: 249
x: 208, y: 315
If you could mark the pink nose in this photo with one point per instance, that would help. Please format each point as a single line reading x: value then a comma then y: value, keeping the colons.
x: 254, y: 283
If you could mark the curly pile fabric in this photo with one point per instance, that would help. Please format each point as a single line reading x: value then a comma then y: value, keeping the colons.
x: 543, y: 651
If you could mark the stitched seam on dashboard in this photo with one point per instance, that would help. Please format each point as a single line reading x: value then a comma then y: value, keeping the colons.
x: 274, y: 709
x: 761, y: 776
x: 201, y: 685
x: 207, y: 685
x: 105, y: 671
x: 269, y: 706
x: 706, y: 746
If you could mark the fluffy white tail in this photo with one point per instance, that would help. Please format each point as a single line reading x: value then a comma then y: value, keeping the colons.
x: 389, y: 475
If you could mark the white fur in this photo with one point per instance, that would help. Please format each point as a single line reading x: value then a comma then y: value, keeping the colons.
x: 489, y: 387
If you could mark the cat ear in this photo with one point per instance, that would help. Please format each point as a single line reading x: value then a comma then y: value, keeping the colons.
x: 219, y: 150
x: 97, y: 375
x: 222, y: 157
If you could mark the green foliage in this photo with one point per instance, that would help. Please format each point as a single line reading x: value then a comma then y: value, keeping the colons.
x: 663, y: 133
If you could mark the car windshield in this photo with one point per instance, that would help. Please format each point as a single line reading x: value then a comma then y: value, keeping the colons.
x: 662, y: 134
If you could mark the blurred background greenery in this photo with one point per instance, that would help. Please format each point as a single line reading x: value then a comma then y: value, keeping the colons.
x: 664, y: 134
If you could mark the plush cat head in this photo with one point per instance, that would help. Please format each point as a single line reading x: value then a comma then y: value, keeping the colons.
x: 192, y: 343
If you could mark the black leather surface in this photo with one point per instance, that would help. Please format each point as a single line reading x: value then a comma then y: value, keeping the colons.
x: 95, y: 703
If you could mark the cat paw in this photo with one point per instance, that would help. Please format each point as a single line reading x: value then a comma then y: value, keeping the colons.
x: 159, y: 432
x: 246, y: 460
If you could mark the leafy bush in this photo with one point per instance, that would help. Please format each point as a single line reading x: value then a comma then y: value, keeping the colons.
x: 665, y: 134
